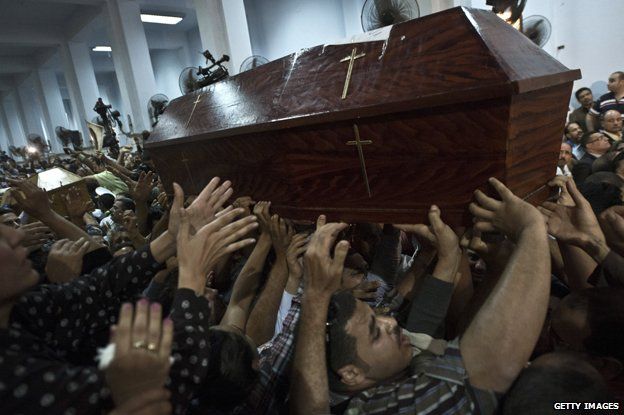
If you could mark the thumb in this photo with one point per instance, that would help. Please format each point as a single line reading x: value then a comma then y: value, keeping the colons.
x: 578, y: 198
x: 434, y: 219
x: 178, y: 198
x: 183, y: 233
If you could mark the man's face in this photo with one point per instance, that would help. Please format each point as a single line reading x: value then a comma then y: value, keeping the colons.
x: 585, y: 98
x: 16, y: 273
x: 574, y: 132
x: 614, y: 83
x: 117, y: 211
x: 379, y: 342
x: 565, y: 154
x: 10, y: 219
x: 120, y: 240
x: 598, y: 143
x: 612, y: 122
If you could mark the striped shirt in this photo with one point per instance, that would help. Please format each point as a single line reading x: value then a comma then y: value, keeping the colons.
x: 434, y: 385
x: 607, y: 102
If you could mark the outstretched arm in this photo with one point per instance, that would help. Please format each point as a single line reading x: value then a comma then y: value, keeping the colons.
x: 499, y: 340
x: 309, y: 391
x: 247, y: 284
x: 261, y: 325
x: 35, y: 202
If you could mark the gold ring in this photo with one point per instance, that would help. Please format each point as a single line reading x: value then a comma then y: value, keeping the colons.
x: 152, y: 347
x: 139, y: 344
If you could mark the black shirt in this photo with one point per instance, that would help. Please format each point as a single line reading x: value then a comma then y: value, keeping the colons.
x: 53, y: 326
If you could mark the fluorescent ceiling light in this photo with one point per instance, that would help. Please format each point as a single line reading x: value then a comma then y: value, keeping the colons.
x: 102, y: 49
x: 159, y: 18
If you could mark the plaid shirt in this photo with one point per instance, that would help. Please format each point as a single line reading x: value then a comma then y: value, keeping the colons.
x: 269, y: 395
x: 435, y: 385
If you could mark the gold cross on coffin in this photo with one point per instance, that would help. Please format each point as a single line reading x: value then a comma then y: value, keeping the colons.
x: 359, y: 143
x: 193, y: 110
x: 351, y: 58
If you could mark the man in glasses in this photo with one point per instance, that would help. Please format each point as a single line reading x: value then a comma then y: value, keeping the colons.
x: 595, y: 144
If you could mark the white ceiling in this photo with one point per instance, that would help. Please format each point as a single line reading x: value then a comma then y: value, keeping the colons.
x: 31, y: 30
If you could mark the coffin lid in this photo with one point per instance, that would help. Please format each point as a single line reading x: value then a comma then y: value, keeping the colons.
x: 457, y: 55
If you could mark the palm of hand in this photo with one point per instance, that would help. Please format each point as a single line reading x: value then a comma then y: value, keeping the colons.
x: 199, y: 213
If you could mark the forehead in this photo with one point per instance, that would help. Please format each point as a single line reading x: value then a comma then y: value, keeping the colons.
x: 359, y: 323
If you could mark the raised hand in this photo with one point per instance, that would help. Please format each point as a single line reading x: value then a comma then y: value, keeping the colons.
x: 564, y: 197
x: 612, y: 224
x: 576, y: 224
x: 203, y: 209
x: 322, y: 273
x: 510, y: 215
x: 65, y: 260
x: 142, y: 187
x: 296, y: 249
x: 162, y: 200
x: 142, y: 349
x: 245, y: 202
x: 366, y: 290
x: 74, y: 207
x: 31, y: 198
x: 444, y: 239
x: 35, y: 235
x: 261, y: 210
x: 198, y: 253
x: 438, y: 234
x: 281, y: 235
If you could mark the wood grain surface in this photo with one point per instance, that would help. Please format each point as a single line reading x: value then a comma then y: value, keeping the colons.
x: 447, y: 102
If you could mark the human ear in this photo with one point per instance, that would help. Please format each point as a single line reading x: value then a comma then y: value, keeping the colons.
x: 351, y: 375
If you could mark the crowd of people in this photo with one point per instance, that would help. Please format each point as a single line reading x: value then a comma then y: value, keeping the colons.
x: 136, y: 302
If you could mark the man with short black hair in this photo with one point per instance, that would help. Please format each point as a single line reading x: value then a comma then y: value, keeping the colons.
x: 613, y: 100
x: 372, y: 357
x: 585, y: 97
x: 573, y: 134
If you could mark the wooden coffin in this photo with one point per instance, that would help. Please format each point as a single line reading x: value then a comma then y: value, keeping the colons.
x: 63, y: 188
x: 441, y: 103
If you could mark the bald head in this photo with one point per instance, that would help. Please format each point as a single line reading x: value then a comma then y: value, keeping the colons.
x: 612, y: 122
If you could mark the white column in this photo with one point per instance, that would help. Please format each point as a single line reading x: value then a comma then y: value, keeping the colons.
x: 81, y: 84
x: 131, y: 57
x: 14, y: 121
x: 18, y: 109
x: 237, y: 32
x: 4, y: 120
x: 223, y: 29
x: 53, y: 111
